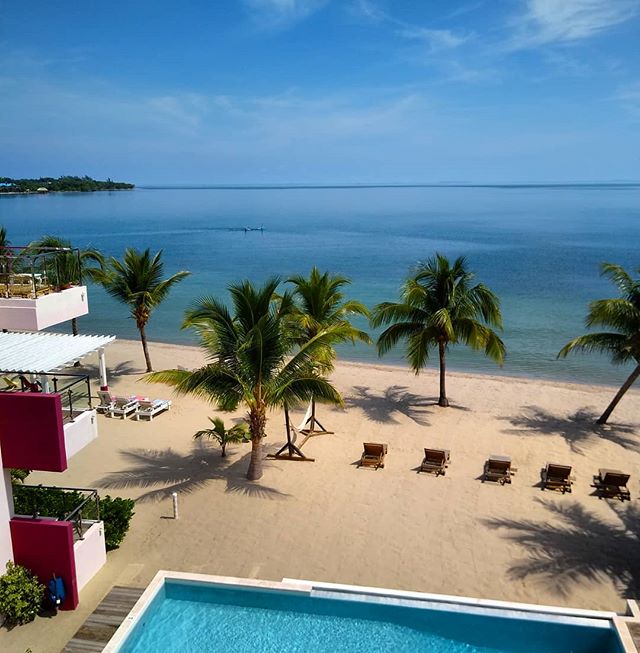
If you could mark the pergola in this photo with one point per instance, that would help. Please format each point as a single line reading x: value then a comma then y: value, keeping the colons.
x: 42, y: 352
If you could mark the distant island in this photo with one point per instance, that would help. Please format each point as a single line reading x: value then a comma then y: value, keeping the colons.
x: 62, y: 184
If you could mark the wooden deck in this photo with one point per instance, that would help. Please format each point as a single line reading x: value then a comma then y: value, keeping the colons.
x: 99, y: 627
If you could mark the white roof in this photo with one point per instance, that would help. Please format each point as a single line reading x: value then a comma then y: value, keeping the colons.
x: 45, y: 352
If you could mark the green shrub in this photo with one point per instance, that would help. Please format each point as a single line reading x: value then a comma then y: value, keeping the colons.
x: 19, y: 475
x: 116, y: 515
x: 47, y: 502
x: 21, y: 595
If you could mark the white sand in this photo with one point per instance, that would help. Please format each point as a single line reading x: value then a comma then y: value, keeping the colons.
x: 330, y: 521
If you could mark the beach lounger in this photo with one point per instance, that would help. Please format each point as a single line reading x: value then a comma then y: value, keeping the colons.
x: 122, y: 406
x: 150, y: 408
x: 373, y: 455
x: 435, y: 461
x: 498, y: 468
x: 612, y: 483
x: 557, y: 477
x: 106, y: 402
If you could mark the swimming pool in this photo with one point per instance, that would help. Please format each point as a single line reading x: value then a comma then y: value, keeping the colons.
x: 187, y: 613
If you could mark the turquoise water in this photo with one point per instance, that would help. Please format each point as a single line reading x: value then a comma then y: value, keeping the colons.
x: 189, y: 619
x: 538, y: 247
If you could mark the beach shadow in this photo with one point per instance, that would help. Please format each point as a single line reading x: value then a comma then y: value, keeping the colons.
x: 579, y: 430
x: 584, y: 548
x: 184, y: 473
x: 125, y: 368
x: 379, y: 407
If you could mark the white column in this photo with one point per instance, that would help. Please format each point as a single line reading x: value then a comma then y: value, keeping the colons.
x: 104, y: 383
x: 44, y: 382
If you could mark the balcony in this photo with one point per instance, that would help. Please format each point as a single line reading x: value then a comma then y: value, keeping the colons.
x: 58, y: 530
x: 45, y: 419
x: 40, y: 287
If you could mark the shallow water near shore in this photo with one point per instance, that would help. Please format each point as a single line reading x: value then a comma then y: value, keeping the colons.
x: 537, y: 247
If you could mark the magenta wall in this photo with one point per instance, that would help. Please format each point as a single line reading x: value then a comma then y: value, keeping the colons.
x: 31, y: 431
x: 45, y: 547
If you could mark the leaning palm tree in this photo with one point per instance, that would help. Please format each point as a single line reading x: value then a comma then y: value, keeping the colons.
x: 254, y: 359
x: 622, y: 314
x: 441, y: 306
x: 67, y: 266
x: 137, y: 282
x: 319, y: 304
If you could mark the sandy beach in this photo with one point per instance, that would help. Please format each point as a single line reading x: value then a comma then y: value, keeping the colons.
x: 327, y: 520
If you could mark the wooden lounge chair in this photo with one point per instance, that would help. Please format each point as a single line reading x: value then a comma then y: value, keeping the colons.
x: 435, y: 461
x: 498, y: 468
x: 373, y: 455
x: 557, y: 477
x: 612, y: 483
x: 151, y: 407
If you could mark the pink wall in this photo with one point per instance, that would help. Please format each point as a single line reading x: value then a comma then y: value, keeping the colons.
x: 31, y: 431
x: 45, y: 547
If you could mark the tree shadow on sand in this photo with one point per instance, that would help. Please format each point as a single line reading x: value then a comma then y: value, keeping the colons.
x: 578, y: 430
x: 183, y: 473
x: 583, y: 549
x: 125, y: 368
x: 379, y: 407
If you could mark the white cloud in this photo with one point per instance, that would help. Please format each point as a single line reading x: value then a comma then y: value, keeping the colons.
x: 435, y: 39
x: 567, y: 21
x: 275, y: 14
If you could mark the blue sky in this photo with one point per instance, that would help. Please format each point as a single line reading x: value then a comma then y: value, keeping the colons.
x: 321, y: 91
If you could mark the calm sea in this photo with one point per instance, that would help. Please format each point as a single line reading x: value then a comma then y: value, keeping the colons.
x: 538, y: 247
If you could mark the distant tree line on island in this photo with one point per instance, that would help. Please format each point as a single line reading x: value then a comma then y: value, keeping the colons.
x: 61, y: 184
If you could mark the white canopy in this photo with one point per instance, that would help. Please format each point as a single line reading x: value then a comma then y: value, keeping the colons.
x: 45, y: 352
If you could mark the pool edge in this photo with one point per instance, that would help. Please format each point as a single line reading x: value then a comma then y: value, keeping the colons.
x: 618, y: 622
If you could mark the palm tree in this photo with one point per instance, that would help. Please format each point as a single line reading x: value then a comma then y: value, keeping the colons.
x: 67, y: 266
x: 254, y: 359
x: 622, y: 314
x: 320, y: 304
x: 440, y: 306
x: 223, y: 435
x: 4, y: 241
x: 137, y: 281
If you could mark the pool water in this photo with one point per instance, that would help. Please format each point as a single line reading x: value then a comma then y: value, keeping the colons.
x: 199, y: 618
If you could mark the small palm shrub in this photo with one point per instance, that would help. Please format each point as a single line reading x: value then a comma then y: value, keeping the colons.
x: 21, y: 595
x: 224, y: 436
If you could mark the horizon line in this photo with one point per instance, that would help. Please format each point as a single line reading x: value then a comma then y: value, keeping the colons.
x: 364, y: 185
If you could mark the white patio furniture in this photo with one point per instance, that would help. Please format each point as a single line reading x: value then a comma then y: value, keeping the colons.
x: 151, y: 407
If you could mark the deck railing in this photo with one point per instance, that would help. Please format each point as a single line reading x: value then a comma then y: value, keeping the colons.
x: 30, y: 272
x: 74, y: 389
x: 81, y: 506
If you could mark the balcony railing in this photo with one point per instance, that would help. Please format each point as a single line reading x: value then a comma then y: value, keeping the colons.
x: 74, y: 389
x: 80, y: 506
x: 30, y: 272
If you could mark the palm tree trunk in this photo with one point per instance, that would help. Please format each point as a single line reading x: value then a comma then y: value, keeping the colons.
x: 224, y: 447
x: 614, y: 402
x: 257, y: 422
x: 442, y: 401
x: 145, y: 348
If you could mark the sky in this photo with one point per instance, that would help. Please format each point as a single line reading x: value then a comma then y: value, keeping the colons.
x: 321, y: 91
